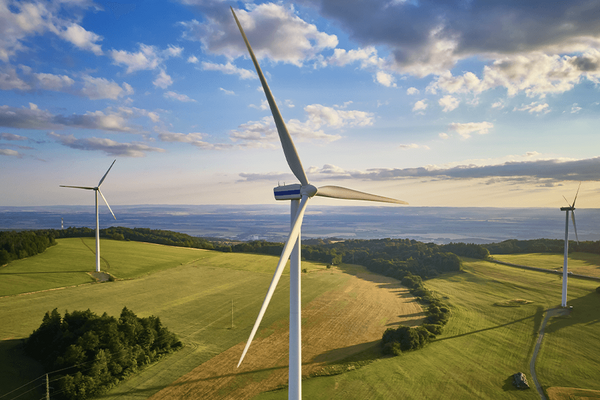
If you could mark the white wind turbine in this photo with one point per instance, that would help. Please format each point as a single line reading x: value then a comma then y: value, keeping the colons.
x: 571, y: 208
x: 96, y: 191
x: 299, y: 194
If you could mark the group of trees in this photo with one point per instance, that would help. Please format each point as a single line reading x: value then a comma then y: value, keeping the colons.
x: 92, y: 353
x: 514, y: 246
x: 404, y: 338
x: 15, y: 245
x: 158, y: 236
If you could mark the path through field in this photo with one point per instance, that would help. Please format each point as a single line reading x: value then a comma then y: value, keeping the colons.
x: 335, y: 325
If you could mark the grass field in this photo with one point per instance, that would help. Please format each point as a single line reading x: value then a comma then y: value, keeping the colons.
x: 579, y: 263
x: 192, y: 299
x: 496, y: 314
x: 484, y: 344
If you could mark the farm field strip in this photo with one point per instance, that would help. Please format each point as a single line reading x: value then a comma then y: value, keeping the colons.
x: 579, y: 263
x: 337, y: 324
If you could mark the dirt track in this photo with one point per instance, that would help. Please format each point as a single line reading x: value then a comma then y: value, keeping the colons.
x: 335, y: 325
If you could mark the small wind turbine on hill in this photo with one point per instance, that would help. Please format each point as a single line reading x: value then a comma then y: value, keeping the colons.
x: 571, y: 208
x: 96, y: 190
x: 299, y: 194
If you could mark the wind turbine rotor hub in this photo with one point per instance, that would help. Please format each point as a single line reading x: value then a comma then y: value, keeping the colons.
x: 308, y: 190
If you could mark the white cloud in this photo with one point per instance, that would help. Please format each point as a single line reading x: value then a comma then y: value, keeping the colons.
x: 465, y: 130
x: 9, y: 152
x: 163, y: 80
x: 420, y: 106
x: 146, y: 58
x: 534, y: 107
x: 385, y: 79
x: 273, y: 30
x: 264, y: 105
x: 9, y: 80
x: 412, y: 91
x: 179, y: 97
x: 101, y: 88
x: 53, y: 82
x: 448, y: 103
x: 575, y: 108
x: 443, y: 135
x: 82, y: 38
x: 413, y: 146
x: 195, y: 139
x: 227, y: 92
x: 193, y: 60
x: 229, y: 69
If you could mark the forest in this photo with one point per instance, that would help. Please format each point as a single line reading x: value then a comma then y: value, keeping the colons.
x: 87, y: 354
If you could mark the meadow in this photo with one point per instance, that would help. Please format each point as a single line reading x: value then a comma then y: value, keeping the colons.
x: 579, y: 263
x: 485, y: 342
x: 192, y: 291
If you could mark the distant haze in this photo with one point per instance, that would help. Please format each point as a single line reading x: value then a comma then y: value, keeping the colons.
x: 271, y: 222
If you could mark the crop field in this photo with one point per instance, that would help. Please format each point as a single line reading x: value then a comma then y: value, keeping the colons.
x: 486, y: 342
x: 579, y: 263
x: 496, y: 314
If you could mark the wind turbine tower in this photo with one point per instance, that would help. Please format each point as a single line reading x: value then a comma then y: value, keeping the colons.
x: 96, y: 190
x: 571, y: 209
x: 298, y: 194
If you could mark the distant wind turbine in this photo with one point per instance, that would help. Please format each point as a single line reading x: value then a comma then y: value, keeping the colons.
x: 571, y: 208
x: 299, y: 194
x: 96, y: 191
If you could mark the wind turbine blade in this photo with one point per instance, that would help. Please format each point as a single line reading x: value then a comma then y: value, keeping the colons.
x: 79, y: 187
x: 576, y: 195
x: 574, y: 226
x: 567, y: 201
x: 106, y: 202
x: 291, y: 155
x: 285, y: 255
x: 104, y: 177
x: 338, y: 192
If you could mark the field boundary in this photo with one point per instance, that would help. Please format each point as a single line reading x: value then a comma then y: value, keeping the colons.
x: 548, y: 271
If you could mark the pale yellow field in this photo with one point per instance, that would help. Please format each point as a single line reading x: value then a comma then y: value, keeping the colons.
x: 335, y: 325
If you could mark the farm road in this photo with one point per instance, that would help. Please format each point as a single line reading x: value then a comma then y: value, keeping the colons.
x: 553, y: 312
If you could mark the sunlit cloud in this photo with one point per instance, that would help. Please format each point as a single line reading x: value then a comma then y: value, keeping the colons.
x: 108, y: 146
x: 466, y: 129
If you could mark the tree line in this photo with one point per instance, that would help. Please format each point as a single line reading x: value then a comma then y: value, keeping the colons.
x: 513, y: 246
x: 92, y: 353
x: 16, y: 245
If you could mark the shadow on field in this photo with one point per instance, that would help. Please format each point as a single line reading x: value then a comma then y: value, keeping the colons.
x: 344, y: 352
x: 20, y: 373
x: 489, y: 329
x: 508, y: 385
x: 585, y: 311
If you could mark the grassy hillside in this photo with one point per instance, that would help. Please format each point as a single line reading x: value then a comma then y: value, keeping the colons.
x: 485, y: 343
x: 579, y: 263
x: 193, y: 300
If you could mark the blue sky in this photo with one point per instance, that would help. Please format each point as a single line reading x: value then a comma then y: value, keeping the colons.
x: 438, y: 103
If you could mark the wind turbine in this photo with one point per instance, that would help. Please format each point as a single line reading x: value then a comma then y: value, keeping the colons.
x: 96, y: 191
x: 571, y: 208
x: 299, y: 194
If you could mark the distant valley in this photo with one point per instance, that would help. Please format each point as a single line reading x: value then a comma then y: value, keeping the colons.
x: 271, y: 222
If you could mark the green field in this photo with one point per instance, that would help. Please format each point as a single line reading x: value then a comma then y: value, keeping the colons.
x: 484, y: 343
x: 192, y: 299
x: 579, y: 263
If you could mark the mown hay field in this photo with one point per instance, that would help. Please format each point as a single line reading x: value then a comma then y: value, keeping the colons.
x: 485, y: 343
x: 579, y: 263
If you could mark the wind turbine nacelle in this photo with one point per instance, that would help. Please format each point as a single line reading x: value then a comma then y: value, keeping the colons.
x: 288, y: 192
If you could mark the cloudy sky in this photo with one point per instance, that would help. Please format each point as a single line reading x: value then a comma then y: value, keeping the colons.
x: 438, y: 103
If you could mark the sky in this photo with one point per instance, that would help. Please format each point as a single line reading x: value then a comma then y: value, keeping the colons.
x: 470, y: 103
